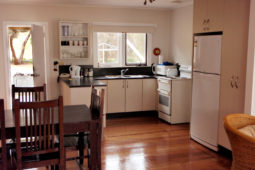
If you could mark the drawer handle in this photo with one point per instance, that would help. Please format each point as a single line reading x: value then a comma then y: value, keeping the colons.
x: 163, y: 92
x: 164, y: 81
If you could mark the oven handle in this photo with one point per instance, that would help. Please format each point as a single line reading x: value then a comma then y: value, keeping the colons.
x: 164, y: 81
x: 163, y: 92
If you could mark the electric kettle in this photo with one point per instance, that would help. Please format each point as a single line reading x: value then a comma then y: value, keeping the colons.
x: 75, y: 71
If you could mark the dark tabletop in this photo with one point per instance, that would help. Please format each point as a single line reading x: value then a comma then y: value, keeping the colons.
x: 76, y: 119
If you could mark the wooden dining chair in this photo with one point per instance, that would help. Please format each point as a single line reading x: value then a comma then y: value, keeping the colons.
x: 97, y: 109
x: 38, y: 123
x: 3, y: 153
x: 29, y: 94
x: 81, y: 142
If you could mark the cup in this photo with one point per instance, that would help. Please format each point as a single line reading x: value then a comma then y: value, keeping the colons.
x: 76, y: 43
x: 70, y: 43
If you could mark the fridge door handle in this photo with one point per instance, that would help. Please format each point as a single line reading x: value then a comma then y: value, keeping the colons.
x: 196, y: 54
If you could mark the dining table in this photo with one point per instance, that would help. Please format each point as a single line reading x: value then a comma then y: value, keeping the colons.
x: 77, y: 119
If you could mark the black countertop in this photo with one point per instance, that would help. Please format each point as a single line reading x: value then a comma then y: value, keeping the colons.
x: 116, y: 77
x: 89, y: 81
x: 82, y: 82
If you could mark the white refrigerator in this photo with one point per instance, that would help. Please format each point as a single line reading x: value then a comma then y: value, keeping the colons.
x: 206, y: 90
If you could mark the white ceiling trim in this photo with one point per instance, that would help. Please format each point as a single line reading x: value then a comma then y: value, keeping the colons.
x: 134, y: 4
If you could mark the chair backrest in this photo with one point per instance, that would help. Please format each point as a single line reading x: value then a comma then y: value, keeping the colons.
x: 97, y: 103
x: 3, y: 154
x: 29, y: 94
x: 37, y: 123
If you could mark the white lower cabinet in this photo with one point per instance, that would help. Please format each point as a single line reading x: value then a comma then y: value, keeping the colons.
x: 134, y: 92
x: 149, y: 94
x: 116, y: 96
x: 181, y: 101
x: 131, y: 95
x: 75, y: 96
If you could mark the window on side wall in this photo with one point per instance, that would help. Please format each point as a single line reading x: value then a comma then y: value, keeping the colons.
x: 114, y: 49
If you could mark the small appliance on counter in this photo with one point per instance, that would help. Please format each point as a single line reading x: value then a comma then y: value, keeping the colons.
x: 75, y: 71
x: 185, y: 71
x: 172, y: 72
x: 165, y: 69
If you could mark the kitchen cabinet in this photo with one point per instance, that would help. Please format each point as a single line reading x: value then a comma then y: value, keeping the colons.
x: 233, y: 63
x: 131, y: 95
x: 149, y: 94
x: 82, y: 95
x: 208, y: 15
x: 75, y: 96
x: 134, y: 89
x: 232, y: 18
x: 73, y: 40
x: 181, y: 101
x: 116, y: 96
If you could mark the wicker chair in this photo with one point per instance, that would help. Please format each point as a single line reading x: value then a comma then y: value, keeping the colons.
x: 243, y: 146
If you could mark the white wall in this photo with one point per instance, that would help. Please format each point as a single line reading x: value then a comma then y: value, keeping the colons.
x: 181, y: 29
x: 52, y: 14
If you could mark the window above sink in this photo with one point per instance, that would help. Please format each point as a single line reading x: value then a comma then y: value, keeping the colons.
x: 115, y: 49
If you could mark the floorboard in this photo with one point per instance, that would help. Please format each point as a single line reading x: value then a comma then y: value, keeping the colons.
x: 146, y: 143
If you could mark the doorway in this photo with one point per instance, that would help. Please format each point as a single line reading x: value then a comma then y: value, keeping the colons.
x: 26, y: 51
x: 21, y: 57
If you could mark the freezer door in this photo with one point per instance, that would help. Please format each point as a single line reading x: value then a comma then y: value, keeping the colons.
x: 205, y: 107
x: 207, y: 53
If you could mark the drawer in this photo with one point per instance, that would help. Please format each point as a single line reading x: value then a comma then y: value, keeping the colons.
x: 164, y: 116
x: 164, y: 85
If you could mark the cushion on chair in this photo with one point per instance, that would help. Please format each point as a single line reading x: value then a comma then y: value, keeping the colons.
x: 248, y: 130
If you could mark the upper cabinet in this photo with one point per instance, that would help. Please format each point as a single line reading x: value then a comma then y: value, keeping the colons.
x: 208, y: 15
x: 73, y: 40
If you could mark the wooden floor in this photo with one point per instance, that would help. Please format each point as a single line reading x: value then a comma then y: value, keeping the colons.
x: 146, y: 143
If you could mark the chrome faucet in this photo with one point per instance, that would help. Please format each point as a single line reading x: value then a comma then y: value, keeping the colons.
x: 123, y: 72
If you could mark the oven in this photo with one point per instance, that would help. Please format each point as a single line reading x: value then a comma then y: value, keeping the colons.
x: 164, y: 98
x: 164, y: 102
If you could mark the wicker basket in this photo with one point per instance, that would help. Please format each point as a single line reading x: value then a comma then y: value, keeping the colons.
x: 243, y: 146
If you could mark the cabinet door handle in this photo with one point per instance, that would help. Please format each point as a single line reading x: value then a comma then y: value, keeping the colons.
x: 232, y: 82
x: 237, y: 82
x: 204, y: 22
x: 127, y: 83
x: 123, y: 86
x: 208, y: 20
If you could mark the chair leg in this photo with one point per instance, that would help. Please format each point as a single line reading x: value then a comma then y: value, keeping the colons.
x: 88, y: 150
x: 81, y: 147
x: 56, y: 167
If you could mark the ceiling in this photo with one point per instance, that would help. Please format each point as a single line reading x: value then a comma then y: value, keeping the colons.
x: 167, y: 4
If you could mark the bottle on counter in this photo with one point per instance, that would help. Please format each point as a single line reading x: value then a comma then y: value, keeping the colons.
x: 90, y: 72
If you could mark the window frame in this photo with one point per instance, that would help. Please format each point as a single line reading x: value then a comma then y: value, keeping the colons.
x: 146, y: 51
x: 122, y: 57
x: 120, y: 51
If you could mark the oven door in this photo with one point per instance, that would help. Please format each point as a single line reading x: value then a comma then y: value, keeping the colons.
x: 164, y: 102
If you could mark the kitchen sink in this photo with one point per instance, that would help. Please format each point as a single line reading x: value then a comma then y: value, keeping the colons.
x: 113, y: 76
x: 126, y: 76
x: 135, y: 76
